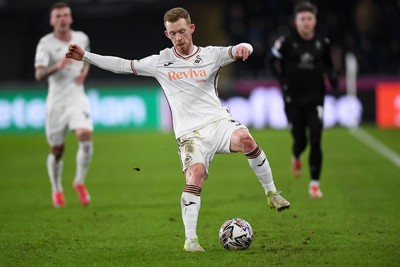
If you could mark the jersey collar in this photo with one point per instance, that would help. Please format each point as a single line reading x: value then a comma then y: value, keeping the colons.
x: 196, y: 51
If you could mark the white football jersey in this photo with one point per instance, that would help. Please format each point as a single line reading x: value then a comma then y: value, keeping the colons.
x: 62, y: 84
x: 189, y: 84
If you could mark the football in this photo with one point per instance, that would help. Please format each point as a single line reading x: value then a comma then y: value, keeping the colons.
x: 236, y: 234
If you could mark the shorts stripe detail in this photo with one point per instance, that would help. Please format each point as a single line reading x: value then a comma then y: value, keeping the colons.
x: 192, y: 189
x: 254, y: 154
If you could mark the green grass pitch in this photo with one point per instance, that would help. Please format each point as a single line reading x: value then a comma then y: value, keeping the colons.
x: 135, y: 220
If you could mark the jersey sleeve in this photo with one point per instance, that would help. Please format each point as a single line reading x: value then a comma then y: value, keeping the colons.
x: 278, y: 47
x: 42, y: 57
x: 226, y: 55
x: 110, y: 63
x: 274, y: 59
x: 145, y: 66
x: 223, y: 55
x: 329, y: 68
x: 327, y: 55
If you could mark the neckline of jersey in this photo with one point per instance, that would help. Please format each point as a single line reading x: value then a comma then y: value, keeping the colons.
x: 187, y: 57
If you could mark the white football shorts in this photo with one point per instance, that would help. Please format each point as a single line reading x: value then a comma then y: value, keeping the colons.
x: 60, y: 118
x: 201, y: 145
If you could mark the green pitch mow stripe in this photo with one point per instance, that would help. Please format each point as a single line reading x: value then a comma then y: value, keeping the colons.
x: 135, y: 220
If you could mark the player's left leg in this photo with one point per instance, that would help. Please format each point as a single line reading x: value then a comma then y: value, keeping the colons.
x: 315, y: 125
x: 83, y: 158
x: 80, y: 121
x: 242, y: 141
x: 54, y: 168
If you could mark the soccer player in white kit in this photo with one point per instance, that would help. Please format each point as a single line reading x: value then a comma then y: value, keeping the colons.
x: 203, y: 127
x: 67, y: 105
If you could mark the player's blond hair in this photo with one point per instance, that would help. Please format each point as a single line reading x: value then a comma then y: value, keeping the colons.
x: 59, y: 5
x: 175, y: 14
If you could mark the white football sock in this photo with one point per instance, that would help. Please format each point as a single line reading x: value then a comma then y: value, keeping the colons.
x: 314, y: 183
x: 259, y: 163
x: 54, y: 169
x: 190, y: 205
x: 83, y: 158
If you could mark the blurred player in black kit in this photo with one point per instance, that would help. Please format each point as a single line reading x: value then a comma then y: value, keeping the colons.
x: 299, y: 62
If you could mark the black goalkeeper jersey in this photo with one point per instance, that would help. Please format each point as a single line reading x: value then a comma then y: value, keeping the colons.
x: 302, y: 67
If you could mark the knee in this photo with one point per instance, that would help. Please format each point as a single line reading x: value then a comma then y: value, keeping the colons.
x: 315, y: 138
x: 195, y: 174
x: 57, y: 151
x: 246, y: 140
x: 301, y: 143
x: 84, y: 135
x: 315, y: 143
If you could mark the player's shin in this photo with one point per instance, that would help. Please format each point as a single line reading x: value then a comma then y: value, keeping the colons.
x: 83, y: 159
x: 54, y: 169
x: 190, y: 204
x: 259, y: 163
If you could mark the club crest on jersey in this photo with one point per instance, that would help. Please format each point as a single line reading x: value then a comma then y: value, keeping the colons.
x: 318, y: 45
x: 198, y: 60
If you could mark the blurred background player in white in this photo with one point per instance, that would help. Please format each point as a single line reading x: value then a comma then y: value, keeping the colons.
x: 203, y: 127
x: 67, y: 105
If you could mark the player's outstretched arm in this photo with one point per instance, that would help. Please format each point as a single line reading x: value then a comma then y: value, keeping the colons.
x: 42, y: 72
x: 114, y: 64
x: 75, y: 52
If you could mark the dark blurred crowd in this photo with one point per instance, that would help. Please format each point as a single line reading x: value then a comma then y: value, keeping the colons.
x: 368, y: 28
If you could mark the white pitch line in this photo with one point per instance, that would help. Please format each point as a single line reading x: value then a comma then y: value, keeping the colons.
x: 372, y: 142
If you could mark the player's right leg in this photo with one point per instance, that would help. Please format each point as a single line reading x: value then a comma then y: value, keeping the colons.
x: 296, y: 166
x: 54, y: 168
x: 297, y: 125
x: 190, y: 204
x: 56, y: 131
x: 192, y: 161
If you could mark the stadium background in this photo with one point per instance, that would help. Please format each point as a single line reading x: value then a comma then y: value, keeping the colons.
x: 133, y: 29
x: 135, y: 218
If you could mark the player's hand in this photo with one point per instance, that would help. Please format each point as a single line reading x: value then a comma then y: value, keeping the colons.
x: 284, y: 84
x: 242, y: 53
x: 75, y: 52
x: 62, y: 63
